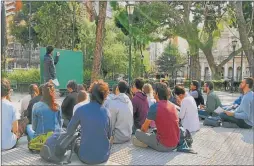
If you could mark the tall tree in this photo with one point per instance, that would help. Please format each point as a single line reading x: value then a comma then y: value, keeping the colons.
x: 99, y: 40
x: 171, y: 60
x: 245, y: 27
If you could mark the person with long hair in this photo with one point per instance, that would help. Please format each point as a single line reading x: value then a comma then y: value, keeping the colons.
x: 46, y: 114
x: 94, y: 119
x: 33, y: 91
x: 34, y: 100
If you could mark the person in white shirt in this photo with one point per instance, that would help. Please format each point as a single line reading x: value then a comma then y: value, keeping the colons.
x: 82, y: 100
x: 10, y: 117
x: 188, y: 111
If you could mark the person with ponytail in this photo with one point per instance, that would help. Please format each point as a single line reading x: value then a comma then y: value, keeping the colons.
x: 46, y: 114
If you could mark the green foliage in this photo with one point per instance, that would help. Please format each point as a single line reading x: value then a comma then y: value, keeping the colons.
x: 23, y: 76
x: 19, y: 25
x: 55, y: 24
x: 170, y: 60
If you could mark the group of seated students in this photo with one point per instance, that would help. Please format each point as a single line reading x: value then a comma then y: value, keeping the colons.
x: 141, y: 109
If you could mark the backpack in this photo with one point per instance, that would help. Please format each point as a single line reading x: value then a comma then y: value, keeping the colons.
x: 212, y: 121
x: 185, y: 142
x: 57, y: 145
x: 36, y: 143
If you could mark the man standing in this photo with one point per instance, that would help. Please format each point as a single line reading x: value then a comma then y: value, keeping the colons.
x: 196, y: 94
x: 243, y: 115
x: 49, y: 65
x: 212, y: 103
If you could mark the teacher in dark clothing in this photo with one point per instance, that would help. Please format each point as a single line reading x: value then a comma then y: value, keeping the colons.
x: 49, y: 65
x: 69, y: 102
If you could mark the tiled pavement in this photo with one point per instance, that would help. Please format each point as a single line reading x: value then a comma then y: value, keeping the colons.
x: 215, y: 146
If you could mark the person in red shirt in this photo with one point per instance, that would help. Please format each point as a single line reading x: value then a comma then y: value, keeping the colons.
x: 164, y: 113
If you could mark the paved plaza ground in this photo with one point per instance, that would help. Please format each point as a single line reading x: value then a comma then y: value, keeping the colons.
x: 215, y: 146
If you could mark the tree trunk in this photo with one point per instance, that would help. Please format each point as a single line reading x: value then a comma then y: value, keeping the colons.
x: 243, y: 32
x: 210, y: 59
x: 99, y: 40
x: 90, y: 10
x: 195, y: 72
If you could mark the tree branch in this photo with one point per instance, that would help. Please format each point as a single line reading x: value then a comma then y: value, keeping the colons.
x: 230, y: 57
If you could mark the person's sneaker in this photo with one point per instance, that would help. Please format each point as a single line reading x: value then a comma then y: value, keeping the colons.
x: 138, y: 143
x: 229, y: 125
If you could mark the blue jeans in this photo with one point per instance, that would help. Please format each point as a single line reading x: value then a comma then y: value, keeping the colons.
x: 239, y: 122
x: 203, y: 113
x: 30, y: 131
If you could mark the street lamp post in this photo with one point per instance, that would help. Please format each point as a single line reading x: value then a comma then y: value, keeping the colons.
x: 234, y: 42
x: 241, y: 76
x: 142, y: 64
x: 29, y: 34
x: 130, y: 10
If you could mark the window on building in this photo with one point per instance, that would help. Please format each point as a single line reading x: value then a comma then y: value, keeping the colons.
x: 238, y: 73
x: 230, y: 72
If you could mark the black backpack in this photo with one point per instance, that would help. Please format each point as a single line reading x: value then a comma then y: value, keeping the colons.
x: 57, y: 145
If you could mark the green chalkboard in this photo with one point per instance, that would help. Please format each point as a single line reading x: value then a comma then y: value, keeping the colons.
x: 69, y: 66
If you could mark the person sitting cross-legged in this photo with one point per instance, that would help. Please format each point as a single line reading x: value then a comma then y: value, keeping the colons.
x: 188, y: 111
x: 164, y: 113
x: 46, y: 114
x: 10, y: 117
x: 94, y: 119
x: 140, y: 104
x: 243, y: 116
x: 70, y: 101
x: 121, y: 111
x: 212, y: 102
x: 82, y: 100
x: 34, y: 100
x: 196, y: 93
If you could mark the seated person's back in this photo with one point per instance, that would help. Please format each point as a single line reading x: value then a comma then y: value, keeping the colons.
x: 189, y: 111
x: 140, y: 104
x: 34, y: 100
x: 70, y: 101
x: 9, y: 117
x: 46, y: 114
x: 121, y: 111
x: 164, y: 114
x: 94, y: 146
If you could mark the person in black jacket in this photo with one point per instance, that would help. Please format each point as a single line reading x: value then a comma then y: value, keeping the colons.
x: 49, y: 64
x: 69, y: 102
x: 34, y: 100
x: 196, y: 93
